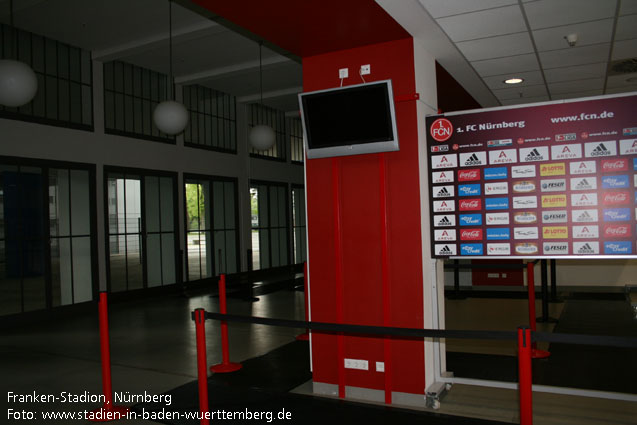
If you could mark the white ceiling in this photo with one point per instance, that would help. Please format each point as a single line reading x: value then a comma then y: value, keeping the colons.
x: 480, y: 42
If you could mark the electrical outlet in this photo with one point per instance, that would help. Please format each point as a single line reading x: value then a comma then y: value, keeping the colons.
x: 366, y: 69
x: 356, y: 364
x: 380, y: 366
x: 343, y: 73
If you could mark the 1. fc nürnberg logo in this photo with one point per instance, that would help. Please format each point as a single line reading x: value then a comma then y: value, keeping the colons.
x: 441, y: 129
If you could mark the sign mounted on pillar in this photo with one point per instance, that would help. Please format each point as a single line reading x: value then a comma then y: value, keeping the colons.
x: 547, y: 180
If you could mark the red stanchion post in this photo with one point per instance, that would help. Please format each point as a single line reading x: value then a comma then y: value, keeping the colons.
x: 535, y: 353
x: 108, y: 412
x: 525, y: 376
x: 202, y: 364
x: 305, y: 336
x: 226, y: 365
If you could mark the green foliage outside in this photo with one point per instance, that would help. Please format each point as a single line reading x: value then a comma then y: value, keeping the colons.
x: 191, y: 206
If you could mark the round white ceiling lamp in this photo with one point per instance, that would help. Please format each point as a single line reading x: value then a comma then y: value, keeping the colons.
x: 261, y: 137
x: 169, y: 116
x: 513, y: 80
x: 18, y: 83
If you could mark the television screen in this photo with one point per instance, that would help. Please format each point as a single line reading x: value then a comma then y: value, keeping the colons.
x: 349, y: 120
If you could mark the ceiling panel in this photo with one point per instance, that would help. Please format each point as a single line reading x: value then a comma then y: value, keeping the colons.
x: 575, y: 86
x: 575, y: 56
x: 524, y: 100
x: 626, y: 28
x: 628, y: 7
x: 588, y: 33
x: 494, y: 47
x: 553, y: 13
x: 507, y: 65
x: 530, y: 78
x: 500, y: 21
x: 617, y: 81
x: 514, y: 92
x: 625, y: 49
x: 575, y: 95
x: 440, y: 8
x: 579, y: 72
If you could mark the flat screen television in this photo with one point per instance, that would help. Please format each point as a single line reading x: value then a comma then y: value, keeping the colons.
x: 349, y: 120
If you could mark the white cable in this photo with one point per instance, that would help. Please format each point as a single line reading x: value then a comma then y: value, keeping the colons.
x: 360, y: 72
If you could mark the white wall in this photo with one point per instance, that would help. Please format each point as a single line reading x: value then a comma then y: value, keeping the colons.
x: 24, y: 139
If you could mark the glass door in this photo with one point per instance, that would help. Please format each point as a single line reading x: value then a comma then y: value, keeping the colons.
x: 269, y: 206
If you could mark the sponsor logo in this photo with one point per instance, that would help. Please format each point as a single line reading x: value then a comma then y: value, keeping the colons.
x: 445, y: 235
x: 526, y: 248
x: 472, y: 159
x: 635, y: 180
x: 499, y: 143
x: 584, y: 216
x: 583, y: 183
x: 503, y: 156
x: 470, y: 219
x: 616, y: 198
x: 612, y: 165
x: 634, y: 164
x: 498, y: 249
x: 553, y: 185
x: 629, y: 131
x: 566, y: 151
x: 441, y: 130
x: 524, y: 186
x: 471, y: 234
x: 444, y: 161
x: 582, y: 167
x: 553, y: 169
x: 523, y: 171
x: 557, y: 216
x: 494, y: 219
x: 584, y: 248
x: 540, y: 153
x: 520, y: 202
x: 445, y: 249
x: 565, y: 137
x: 534, y: 154
x: 552, y: 201
x: 441, y: 148
x: 469, y: 190
x: 495, y: 173
x: 612, y: 231
x: 496, y: 203
x: 498, y: 234
x: 442, y: 177
x: 615, y: 182
x: 617, y: 214
x: 555, y: 248
x: 471, y: 249
x: 444, y: 220
x: 583, y: 199
x: 443, y: 191
x: 444, y: 206
x: 590, y: 231
x: 623, y: 247
x: 496, y: 188
x: 525, y: 217
x: 525, y: 232
x: 470, y: 204
x: 468, y: 175
x: 555, y: 232
x: 597, y: 149
x: 628, y: 146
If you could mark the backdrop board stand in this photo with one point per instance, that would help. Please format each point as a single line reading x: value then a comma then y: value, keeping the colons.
x: 545, y: 318
x: 554, y: 298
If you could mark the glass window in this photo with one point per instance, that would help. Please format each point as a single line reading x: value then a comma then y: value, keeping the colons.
x: 298, y: 224
x: 295, y: 132
x: 259, y: 114
x: 269, y: 225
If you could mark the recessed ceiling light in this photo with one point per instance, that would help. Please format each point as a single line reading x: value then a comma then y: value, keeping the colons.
x: 513, y: 81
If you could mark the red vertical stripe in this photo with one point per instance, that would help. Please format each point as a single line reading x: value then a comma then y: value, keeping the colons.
x: 382, y: 175
x: 338, y: 261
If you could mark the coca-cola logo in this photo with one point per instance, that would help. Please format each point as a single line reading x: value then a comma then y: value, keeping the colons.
x: 615, y: 165
x: 617, y: 231
x: 616, y: 198
x: 470, y: 204
x: 468, y: 175
x: 471, y: 235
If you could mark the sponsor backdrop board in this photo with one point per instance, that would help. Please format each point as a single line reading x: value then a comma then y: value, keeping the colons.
x: 547, y: 180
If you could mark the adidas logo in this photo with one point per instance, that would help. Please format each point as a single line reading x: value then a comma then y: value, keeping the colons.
x: 584, y: 216
x: 444, y: 220
x: 600, y: 150
x: 534, y: 155
x: 473, y: 160
x: 586, y: 249
x: 443, y: 192
x: 584, y: 184
x: 445, y: 250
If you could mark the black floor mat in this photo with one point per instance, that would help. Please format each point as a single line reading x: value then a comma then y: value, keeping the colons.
x: 262, y: 386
